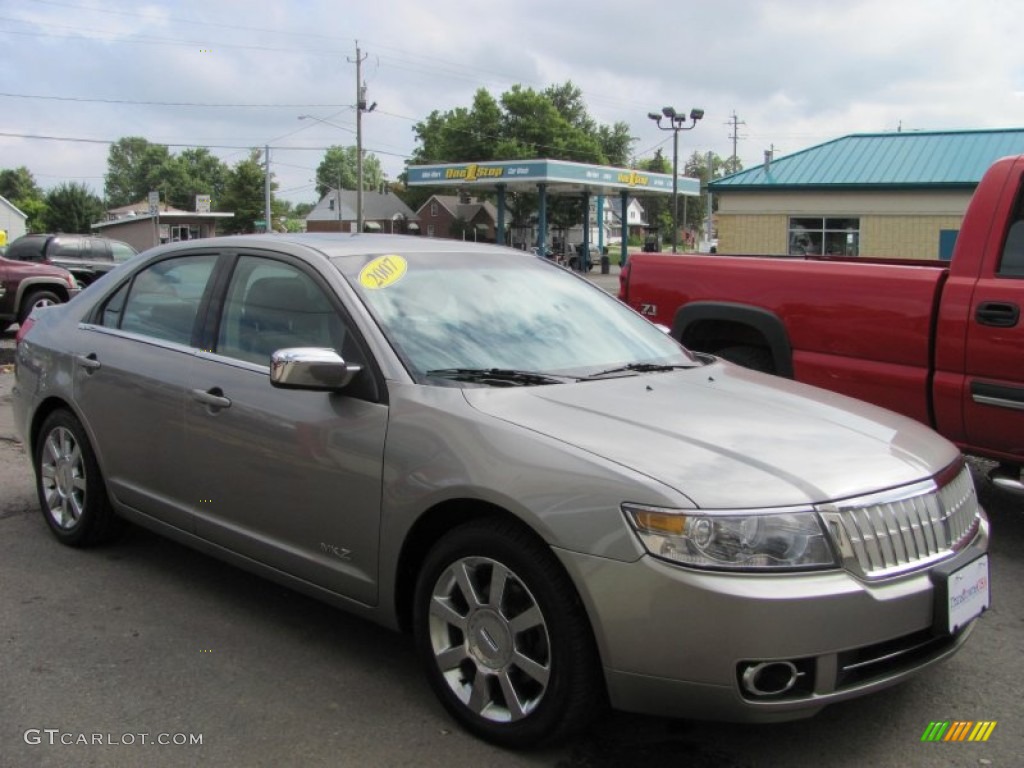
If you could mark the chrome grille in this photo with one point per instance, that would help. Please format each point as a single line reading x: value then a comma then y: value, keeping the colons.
x: 903, y: 529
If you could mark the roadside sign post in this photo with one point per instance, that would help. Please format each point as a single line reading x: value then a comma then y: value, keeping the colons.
x: 154, y: 211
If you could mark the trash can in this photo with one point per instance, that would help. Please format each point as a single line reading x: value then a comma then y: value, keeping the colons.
x: 605, y: 267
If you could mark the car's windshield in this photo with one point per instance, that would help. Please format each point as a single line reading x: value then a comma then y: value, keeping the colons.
x: 499, y: 311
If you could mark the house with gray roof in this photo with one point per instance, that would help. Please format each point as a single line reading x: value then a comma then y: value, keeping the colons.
x: 382, y: 212
x: 899, y: 194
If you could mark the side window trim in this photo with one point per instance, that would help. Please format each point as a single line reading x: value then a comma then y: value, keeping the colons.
x: 98, y: 316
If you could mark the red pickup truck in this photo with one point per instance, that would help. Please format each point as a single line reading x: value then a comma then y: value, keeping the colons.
x: 941, y: 342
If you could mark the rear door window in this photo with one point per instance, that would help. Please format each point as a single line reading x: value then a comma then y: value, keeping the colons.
x: 67, y: 248
x: 163, y: 300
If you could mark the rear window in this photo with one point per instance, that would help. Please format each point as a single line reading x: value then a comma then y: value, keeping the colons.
x: 26, y: 249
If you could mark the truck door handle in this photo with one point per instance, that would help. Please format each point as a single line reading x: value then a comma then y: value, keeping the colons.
x: 213, y: 398
x: 998, y: 313
x: 89, y: 362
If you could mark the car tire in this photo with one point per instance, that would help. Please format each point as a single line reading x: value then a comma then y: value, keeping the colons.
x: 72, y: 494
x: 520, y: 668
x: 37, y: 299
x: 755, y: 358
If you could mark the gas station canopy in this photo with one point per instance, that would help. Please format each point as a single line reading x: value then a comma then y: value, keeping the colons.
x: 544, y: 177
x: 559, y: 177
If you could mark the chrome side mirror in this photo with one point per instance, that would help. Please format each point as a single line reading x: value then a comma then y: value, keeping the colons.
x: 313, y: 368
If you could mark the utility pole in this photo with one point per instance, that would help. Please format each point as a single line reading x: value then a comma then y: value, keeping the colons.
x: 711, y: 176
x: 266, y: 189
x: 735, y: 122
x: 360, y: 108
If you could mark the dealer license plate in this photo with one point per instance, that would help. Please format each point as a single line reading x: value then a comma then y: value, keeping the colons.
x: 966, y: 593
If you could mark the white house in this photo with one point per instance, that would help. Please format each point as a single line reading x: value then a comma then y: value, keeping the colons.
x: 12, y: 221
x: 636, y: 221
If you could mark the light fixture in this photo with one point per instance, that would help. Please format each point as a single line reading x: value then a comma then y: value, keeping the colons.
x: 676, y: 124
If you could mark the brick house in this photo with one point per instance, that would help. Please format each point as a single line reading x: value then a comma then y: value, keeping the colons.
x: 455, y: 218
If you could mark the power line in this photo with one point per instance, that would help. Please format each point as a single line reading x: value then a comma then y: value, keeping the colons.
x: 192, y: 145
x: 165, y: 103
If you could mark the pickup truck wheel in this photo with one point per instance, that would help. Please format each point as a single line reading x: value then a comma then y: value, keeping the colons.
x: 37, y: 299
x: 71, y: 491
x: 755, y: 358
x: 504, y: 637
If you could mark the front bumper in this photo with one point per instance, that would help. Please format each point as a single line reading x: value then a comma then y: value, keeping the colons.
x: 674, y: 641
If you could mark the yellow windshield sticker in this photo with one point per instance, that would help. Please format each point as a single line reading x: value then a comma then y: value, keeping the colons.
x: 382, y: 272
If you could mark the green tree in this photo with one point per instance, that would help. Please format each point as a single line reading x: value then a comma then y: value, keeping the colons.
x: 697, y: 167
x: 339, y: 166
x: 35, y: 209
x: 522, y: 124
x: 190, y: 173
x: 134, y: 167
x: 244, y: 193
x: 72, y: 207
x: 659, y: 207
x: 19, y: 184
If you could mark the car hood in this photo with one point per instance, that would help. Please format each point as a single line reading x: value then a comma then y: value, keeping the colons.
x: 727, y: 437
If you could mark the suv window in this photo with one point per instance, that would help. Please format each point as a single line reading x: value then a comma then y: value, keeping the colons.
x: 121, y: 251
x: 68, y: 248
x: 163, y: 299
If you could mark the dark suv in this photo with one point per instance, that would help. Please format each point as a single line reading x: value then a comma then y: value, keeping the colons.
x: 84, y: 256
x: 25, y: 286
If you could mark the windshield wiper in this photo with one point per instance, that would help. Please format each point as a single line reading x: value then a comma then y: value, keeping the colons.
x: 637, y: 368
x: 499, y: 377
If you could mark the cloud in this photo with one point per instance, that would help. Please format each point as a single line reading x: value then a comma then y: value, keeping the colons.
x: 796, y: 72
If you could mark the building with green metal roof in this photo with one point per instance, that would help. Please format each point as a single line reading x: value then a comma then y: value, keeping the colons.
x: 897, y: 194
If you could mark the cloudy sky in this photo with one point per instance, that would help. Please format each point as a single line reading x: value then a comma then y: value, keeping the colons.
x: 230, y: 74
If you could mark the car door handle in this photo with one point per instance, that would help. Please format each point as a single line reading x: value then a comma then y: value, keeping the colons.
x: 212, y: 397
x: 89, y: 362
x: 1001, y: 314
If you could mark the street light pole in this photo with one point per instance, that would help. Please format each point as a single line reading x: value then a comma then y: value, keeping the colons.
x: 676, y: 123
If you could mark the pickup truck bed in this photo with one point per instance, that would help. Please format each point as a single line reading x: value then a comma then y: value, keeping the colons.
x: 863, y: 329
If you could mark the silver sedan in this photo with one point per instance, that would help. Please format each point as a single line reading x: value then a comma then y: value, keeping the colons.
x: 566, y: 508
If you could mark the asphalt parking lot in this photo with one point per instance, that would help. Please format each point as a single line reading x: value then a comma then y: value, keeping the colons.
x: 144, y: 641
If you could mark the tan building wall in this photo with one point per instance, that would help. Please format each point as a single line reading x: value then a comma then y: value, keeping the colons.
x: 905, y: 237
x: 904, y: 224
x: 746, y: 234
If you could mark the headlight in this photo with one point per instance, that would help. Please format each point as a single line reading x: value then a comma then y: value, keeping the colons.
x: 761, y: 540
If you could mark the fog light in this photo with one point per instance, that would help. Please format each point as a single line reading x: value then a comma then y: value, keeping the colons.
x: 770, y: 678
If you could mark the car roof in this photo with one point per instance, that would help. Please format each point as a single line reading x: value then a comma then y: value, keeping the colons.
x: 335, y: 244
